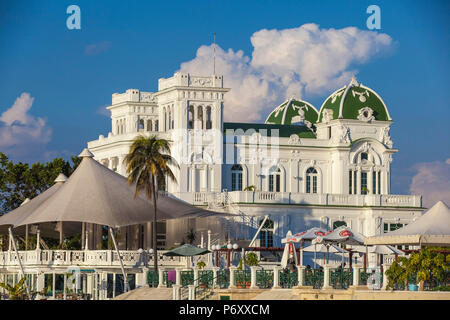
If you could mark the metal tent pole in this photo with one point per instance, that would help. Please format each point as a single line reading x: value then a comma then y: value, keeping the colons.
x: 125, y: 280
x: 20, y: 261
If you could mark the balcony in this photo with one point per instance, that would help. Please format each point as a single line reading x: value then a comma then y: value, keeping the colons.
x: 212, y: 199
x: 91, y: 258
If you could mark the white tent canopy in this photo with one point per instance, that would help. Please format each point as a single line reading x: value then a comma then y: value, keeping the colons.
x: 96, y: 194
x: 344, y: 235
x: 322, y: 248
x: 307, y: 235
x: 432, y: 228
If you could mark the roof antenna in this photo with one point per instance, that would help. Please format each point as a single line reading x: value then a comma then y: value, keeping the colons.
x: 214, y: 72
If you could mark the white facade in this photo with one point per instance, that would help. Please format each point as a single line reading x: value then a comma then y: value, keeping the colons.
x: 333, y: 165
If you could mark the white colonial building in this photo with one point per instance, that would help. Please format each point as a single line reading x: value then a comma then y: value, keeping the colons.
x: 303, y: 167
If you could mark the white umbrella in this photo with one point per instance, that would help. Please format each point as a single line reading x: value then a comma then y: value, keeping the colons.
x: 303, y: 236
x: 323, y: 248
x: 344, y: 235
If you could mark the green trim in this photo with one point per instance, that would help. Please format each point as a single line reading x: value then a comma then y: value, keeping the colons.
x: 284, y: 131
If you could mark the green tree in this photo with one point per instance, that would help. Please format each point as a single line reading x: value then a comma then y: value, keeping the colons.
x: 147, y: 166
x: 19, y: 181
x: 424, y: 265
x: 16, y: 292
x: 251, y: 259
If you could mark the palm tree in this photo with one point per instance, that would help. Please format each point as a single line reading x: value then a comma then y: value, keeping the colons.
x: 147, y: 166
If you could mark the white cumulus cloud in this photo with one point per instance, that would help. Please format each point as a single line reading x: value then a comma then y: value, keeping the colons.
x: 432, y: 180
x: 20, y: 132
x: 301, y: 61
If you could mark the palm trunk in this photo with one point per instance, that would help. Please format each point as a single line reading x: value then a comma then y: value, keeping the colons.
x: 155, y: 252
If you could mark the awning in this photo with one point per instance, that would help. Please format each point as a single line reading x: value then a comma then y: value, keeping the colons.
x: 96, y: 194
x: 431, y: 229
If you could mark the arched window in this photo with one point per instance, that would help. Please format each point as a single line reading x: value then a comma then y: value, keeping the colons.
x: 364, y: 156
x: 141, y: 124
x: 191, y: 118
x: 156, y: 125
x: 149, y: 125
x: 266, y: 233
x: 338, y: 224
x: 275, y: 180
x: 236, y: 178
x: 165, y: 119
x: 200, y: 116
x: 170, y: 119
x: 311, y: 180
x: 208, y: 118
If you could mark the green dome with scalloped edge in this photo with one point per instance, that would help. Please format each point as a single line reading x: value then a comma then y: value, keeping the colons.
x: 292, y: 112
x: 354, y: 101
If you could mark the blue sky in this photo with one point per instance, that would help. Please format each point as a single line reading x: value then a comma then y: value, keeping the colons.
x: 71, y: 74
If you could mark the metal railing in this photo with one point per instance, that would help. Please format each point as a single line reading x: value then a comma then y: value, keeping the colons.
x: 287, y: 279
x: 313, y: 278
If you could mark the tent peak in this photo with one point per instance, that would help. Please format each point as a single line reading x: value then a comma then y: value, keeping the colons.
x: 25, y: 201
x: 61, y: 178
x: 86, y: 153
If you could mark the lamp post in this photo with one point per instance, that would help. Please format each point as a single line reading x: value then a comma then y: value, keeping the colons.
x: 231, y: 247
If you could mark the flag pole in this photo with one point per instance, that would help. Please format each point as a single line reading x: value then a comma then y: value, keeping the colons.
x: 214, y: 60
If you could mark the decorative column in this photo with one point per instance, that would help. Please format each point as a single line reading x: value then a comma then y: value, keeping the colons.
x: 178, y: 276
x: 253, y: 277
x: 161, y: 278
x: 209, y: 240
x: 215, y: 273
x: 65, y: 286
x: 195, y: 276
x: 191, y: 292
x: 300, y: 275
x: 176, y: 292
x: 386, y: 267
x: 232, y: 283
x: 326, y: 277
x: 358, y: 181
x: 276, y: 277
x: 356, y: 268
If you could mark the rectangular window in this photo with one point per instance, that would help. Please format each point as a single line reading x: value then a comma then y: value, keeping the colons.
x: 270, y: 183
x: 240, y: 181
x: 374, y: 182
x: 233, y: 182
x: 379, y: 182
x: 355, y: 182
x: 329, y: 132
x: 278, y: 183
x: 350, y: 182
x: 314, y: 184
x: 363, y: 182
x: 386, y: 227
x: 308, y: 184
x: 262, y: 237
x: 269, y: 242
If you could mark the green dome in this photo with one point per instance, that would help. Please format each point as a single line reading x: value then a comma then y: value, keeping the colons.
x: 293, y: 112
x: 354, y: 101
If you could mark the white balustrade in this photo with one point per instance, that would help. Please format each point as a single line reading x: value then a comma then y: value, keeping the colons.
x: 85, y: 258
x: 214, y: 199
